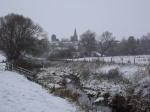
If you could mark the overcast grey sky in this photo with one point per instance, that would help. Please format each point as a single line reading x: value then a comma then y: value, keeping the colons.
x: 121, y: 17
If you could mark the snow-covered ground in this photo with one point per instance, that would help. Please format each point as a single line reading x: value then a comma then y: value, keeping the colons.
x: 127, y: 71
x: 2, y: 65
x: 2, y: 57
x: 97, y: 76
x: 17, y: 94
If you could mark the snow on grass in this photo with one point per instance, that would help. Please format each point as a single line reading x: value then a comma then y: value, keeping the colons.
x: 2, y: 65
x: 127, y: 74
x: 127, y: 71
x: 130, y: 71
x: 105, y: 87
x: 2, y: 57
x: 105, y: 69
x: 17, y: 94
x: 99, y: 99
x: 143, y: 87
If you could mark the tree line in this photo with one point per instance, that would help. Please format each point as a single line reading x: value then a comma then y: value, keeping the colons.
x: 107, y: 45
x: 20, y: 36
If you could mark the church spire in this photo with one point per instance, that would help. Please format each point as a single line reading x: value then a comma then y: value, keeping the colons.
x: 75, y: 36
x: 75, y: 33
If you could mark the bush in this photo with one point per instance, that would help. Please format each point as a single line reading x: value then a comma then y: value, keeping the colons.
x: 85, y: 73
x: 106, y: 97
x: 113, y: 73
x: 118, y: 103
x: 60, y: 54
x: 115, y: 76
x: 67, y: 94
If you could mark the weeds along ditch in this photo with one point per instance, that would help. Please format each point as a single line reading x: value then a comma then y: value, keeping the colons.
x: 93, y: 86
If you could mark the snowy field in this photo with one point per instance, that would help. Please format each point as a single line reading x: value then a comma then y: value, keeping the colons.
x: 139, y: 59
x: 2, y: 65
x: 17, y: 94
x: 2, y: 57
x: 127, y: 71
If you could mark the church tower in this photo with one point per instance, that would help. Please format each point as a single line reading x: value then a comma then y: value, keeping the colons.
x: 75, y: 36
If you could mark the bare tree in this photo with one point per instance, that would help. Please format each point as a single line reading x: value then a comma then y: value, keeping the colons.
x: 132, y: 45
x: 106, y: 41
x: 88, y: 42
x: 41, y: 48
x: 17, y: 34
x: 145, y: 40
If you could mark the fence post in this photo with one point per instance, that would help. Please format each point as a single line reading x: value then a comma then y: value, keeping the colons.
x: 103, y: 60
x: 122, y: 60
x: 134, y: 60
x: 6, y: 67
x: 12, y: 67
x: 43, y: 66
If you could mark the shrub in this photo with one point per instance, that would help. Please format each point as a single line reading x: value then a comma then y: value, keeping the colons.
x: 85, y: 73
x: 113, y: 73
x: 67, y: 94
x: 115, y: 76
x: 118, y: 103
x: 106, y: 96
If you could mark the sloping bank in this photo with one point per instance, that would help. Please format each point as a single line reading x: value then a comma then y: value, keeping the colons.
x: 17, y: 94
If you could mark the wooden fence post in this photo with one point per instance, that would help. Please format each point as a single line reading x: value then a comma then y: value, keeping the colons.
x: 134, y: 60
x: 122, y: 60
x: 111, y: 60
x: 103, y: 60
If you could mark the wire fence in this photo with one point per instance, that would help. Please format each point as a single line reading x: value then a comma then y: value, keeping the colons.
x: 131, y: 60
x: 10, y: 67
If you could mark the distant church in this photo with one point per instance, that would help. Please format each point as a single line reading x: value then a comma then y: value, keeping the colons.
x: 74, y: 38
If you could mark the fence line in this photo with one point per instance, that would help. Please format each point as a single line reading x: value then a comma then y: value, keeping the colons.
x: 130, y: 60
x: 29, y: 74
